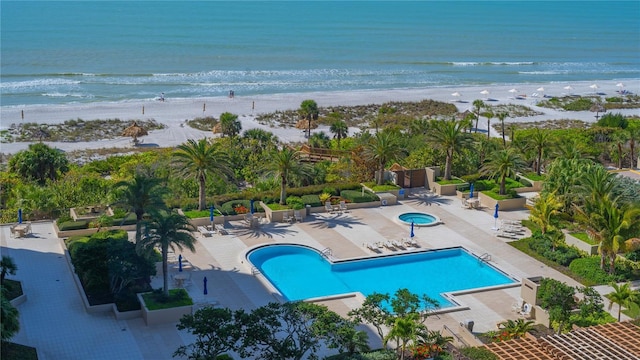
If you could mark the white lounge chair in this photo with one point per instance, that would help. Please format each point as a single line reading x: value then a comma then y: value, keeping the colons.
x: 204, y: 231
x: 220, y: 229
x: 343, y: 206
x: 397, y: 244
x: 329, y: 207
x: 389, y: 245
x: 297, y: 215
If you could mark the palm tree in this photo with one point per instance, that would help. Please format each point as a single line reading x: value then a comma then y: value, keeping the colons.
x: 141, y: 194
x: 229, y: 124
x: 282, y: 164
x: 448, y: 135
x: 320, y: 140
x: 404, y: 330
x: 340, y: 130
x: 501, y: 116
x: 501, y: 164
x: 478, y: 104
x: 169, y: 230
x: 308, y: 111
x: 622, y: 295
x: 383, y: 147
x: 199, y: 159
x: 634, y: 135
x: 544, y: 209
x: 539, y: 140
x: 7, y: 266
x: 434, y: 340
x: 489, y: 115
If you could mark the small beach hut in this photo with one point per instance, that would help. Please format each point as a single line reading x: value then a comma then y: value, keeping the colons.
x: 135, y: 131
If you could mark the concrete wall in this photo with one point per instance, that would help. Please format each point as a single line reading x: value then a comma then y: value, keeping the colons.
x: 505, y: 205
x: 581, y: 245
x: 163, y: 316
x: 432, y: 174
x: 445, y: 189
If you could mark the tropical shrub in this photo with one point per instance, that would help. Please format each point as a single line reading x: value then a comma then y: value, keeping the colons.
x: 478, y: 353
x: 589, y: 269
x: 295, y: 202
x: 543, y: 245
x: 231, y: 207
x: 73, y: 225
x: 356, y: 196
x: 312, y: 200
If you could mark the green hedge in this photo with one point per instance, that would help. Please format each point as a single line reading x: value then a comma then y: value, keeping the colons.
x: 129, y: 220
x: 355, y: 196
x: 313, y: 200
x: 73, y: 225
x: 589, y: 269
x: 228, y: 207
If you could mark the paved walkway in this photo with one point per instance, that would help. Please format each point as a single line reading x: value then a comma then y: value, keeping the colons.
x: 55, y: 322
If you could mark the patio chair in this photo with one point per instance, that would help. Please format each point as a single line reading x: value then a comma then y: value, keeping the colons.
x: 328, y: 207
x: 288, y: 217
x: 343, y: 206
x: 298, y: 215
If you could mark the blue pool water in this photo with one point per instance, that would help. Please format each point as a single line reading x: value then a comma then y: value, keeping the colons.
x: 299, y: 272
x: 419, y: 219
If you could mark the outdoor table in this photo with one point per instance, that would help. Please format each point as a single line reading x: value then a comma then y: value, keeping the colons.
x: 22, y: 229
x: 180, y: 278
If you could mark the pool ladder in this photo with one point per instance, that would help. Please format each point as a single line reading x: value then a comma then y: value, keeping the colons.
x: 486, y: 257
x: 327, y: 252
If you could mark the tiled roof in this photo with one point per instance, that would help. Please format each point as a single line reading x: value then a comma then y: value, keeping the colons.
x: 610, y: 341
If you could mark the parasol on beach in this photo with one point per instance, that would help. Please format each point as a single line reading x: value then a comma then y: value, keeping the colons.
x: 540, y: 88
x: 135, y: 131
x: 513, y: 91
x: 594, y: 86
x: 484, y: 92
x: 456, y: 94
x: 598, y: 108
x: 620, y: 85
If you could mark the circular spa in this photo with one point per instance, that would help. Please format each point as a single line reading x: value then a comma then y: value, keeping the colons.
x: 418, y: 219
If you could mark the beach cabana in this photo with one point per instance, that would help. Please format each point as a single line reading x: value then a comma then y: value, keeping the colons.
x: 135, y: 131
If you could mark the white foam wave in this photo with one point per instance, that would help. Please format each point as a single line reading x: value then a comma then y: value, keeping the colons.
x: 36, y: 83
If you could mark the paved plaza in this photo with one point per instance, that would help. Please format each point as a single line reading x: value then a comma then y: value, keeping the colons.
x: 54, y: 320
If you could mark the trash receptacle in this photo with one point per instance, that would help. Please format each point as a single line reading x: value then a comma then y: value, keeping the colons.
x: 308, y: 211
x: 469, y: 325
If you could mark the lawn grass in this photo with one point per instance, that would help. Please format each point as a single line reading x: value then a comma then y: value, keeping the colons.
x: 277, y: 206
x: 535, y: 177
x: 632, y: 313
x: 449, y: 182
x: 584, y: 237
x: 194, y: 214
x: 156, y: 300
x: 384, y: 187
x: 13, y: 351
x: 496, y: 196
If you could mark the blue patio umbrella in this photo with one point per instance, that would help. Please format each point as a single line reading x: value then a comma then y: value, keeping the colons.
x: 205, y: 285
x: 19, y: 216
x: 211, y: 213
x: 251, y: 207
x: 471, y: 191
x: 180, y: 262
x: 495, y: 217
x: 412, y: 234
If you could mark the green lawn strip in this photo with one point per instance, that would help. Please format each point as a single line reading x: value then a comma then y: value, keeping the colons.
x: 535, y: 177
x: 632, y: 313
x: 584, y: 237
x: 496, y: 196
x: 15, y: 351
x: 277, y: 206
x: 177, y: 298
x: 450, y: 182
x: 194, y: 214
x: 384, y: 187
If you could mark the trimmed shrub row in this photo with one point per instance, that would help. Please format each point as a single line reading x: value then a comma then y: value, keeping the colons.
x: 356, y: 196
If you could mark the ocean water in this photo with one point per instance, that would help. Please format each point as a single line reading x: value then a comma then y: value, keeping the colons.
x: 55, y: 52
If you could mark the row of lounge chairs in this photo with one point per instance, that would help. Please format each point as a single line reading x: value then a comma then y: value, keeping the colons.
x: 511, y: 229
x: 208, y: 231
x: 392, y: 245
x: 292, y: 217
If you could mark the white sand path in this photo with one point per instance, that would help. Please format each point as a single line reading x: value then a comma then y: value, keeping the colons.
x: 173, y: 112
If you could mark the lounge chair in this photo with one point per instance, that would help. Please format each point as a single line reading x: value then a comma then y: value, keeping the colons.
x: 389, y: 245
x: 397, y: 244
x: 297, y: 215
x: 288, y: 217
x: 329, y: 207
x: 204, y: 231
x: 343, y: 206
x: 507, y: 235
x: 372, y: 247
x: 411, y: 242
x: 221, y: 229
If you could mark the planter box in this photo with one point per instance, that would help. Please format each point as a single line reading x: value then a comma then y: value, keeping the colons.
x: 203, y: 221
x: 163, y: 316
x: 581, y: 245
x: 536, y: 186
x: 89, y: 231
x: 93, y: 212
x: 505, y: 205
x: 446, y: 190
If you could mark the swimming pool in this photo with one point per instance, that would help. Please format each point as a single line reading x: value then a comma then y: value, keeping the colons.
x: 418, y: 219
x: 299, y: 272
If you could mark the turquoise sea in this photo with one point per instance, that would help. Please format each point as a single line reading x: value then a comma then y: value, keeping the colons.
x: 55, y: 52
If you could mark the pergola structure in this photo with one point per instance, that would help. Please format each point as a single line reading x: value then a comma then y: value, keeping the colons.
x: 614, y: 341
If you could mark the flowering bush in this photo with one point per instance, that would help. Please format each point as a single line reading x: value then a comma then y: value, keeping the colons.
x: 241, y: 209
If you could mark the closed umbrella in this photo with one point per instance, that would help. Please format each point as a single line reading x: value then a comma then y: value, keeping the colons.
x: 19, y: 216
x: 211, y: 210
x: 180, y: 262
x: 251, y: 207
x: 412, y: 234
x: 205, y: 285
x: 471, y: 191
x: 495, y: 217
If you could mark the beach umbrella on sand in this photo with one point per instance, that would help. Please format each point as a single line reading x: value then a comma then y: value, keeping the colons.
x: 620, y: 85
x: 594, y: 86
x: 456, y: 94
x: 412, y: 225
x: 204, y: 281
x: 495, y: 217
x: 540, y: 88
x: 484, y: 92
x: 568, y: 88
x: 180, y: 262
x: 135, y: 131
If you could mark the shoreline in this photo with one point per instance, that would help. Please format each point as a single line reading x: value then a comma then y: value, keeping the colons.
x: 173, y: 112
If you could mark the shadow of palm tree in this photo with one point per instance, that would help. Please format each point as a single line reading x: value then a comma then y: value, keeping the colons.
x: 428, y: 199
x: 330, y: 221
x: 263, y: 231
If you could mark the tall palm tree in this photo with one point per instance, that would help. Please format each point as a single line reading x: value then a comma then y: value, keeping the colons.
x: 169, y: 230
x: 200, y: 159
x: 501, y: 116
x: 320, y: 139
x: 634, y: 135
x: 340, y: 130
x: 284, y: 163
x: 229, y: 124
x: 543, y: 211
x: 139, y: 195
x: 448, y: 135
x: 404, y: 330
x: 503, y: 163
x: 539, y: 140
x: 383, y: 147
x: 622, y: 295
x: 479, y: 105
x: 7, y: 266
x: 309, y: 111
x: 489, y: 115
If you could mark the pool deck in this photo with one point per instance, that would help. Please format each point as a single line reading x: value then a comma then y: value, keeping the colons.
x: 55, y: 322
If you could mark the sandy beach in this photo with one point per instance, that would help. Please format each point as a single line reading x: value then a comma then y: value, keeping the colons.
x: 173, y: 112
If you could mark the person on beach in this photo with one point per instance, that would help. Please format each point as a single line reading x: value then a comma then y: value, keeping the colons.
x: 161, y: 96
